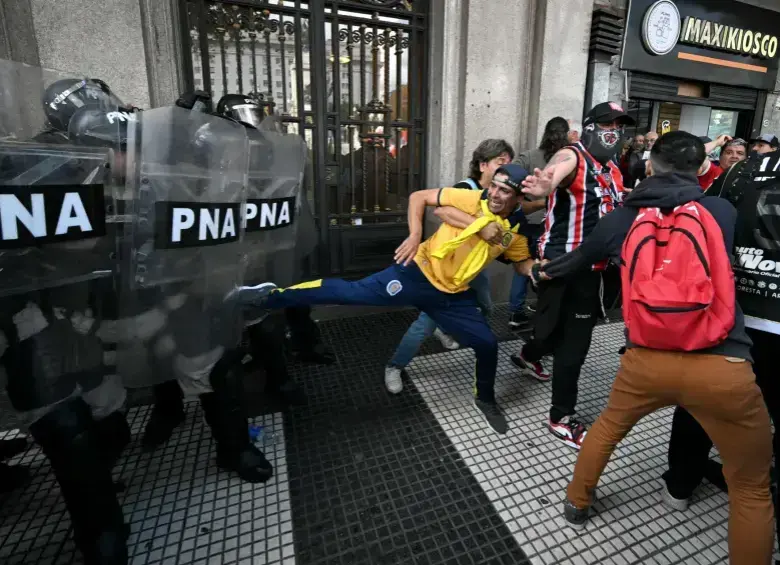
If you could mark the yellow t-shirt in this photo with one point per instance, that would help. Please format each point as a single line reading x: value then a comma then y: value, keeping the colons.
x: 440, y: 272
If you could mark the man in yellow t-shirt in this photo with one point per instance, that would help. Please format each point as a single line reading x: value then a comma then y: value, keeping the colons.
x: 418, y: 278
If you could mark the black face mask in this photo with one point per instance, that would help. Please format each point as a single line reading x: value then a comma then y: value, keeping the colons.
x: 602, y: 144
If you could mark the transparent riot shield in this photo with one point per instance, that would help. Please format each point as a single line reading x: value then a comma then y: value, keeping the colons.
x: 182, y: 251
x: 57, y: 236
x: 280, y: 229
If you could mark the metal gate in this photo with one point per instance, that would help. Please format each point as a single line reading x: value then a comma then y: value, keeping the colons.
x: 350, y: 76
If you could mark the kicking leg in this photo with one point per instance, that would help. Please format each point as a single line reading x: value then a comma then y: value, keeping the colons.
x: 466, y: 323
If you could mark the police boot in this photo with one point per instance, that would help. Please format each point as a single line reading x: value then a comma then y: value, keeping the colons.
x: 66, y: 436
x: 112, y: 434
x: 267, y: 341
x: 13, y: 477
x: 305, y: 339
x: 167, y: 414
x: 225, y: 416
x: 11, y: 447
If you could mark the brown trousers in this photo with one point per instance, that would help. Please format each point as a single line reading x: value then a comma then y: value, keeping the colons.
x: 721, y: 393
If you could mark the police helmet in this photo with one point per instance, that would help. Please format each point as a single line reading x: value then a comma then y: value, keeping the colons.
x: 62, y: 98
x: 100, y: 127
x: 241, y: 109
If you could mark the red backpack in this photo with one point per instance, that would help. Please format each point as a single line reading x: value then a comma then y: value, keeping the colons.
x: 676, y: 279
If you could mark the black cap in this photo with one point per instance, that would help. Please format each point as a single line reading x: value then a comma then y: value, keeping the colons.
x: 704, y: 139
x: 766, y: 138
x: 515, y: 175
x: 608, y: 112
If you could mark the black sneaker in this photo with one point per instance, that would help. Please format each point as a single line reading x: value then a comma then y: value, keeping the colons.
x: 575, y: 517
x: 289, y: 393
x: 13, y: 477
x: 11, y: 447
x: 493, y: 415
x: 519, y: 321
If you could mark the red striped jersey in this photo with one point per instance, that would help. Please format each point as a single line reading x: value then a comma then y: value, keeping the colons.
x: 573, y: 211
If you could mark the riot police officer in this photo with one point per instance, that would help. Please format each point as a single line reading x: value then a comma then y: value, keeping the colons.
x: 56, y: 251
x: 267, y: 334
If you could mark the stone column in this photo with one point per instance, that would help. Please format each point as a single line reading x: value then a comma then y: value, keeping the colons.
x: 161, y: 25
x: 501, y: 69
x: 597, y: 88
x: 21, y: 112
x: 562, y: 59
x: 17, y: 32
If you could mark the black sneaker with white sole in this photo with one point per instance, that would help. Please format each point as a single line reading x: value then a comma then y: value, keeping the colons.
x: 532, y: 369
x: 493, y: 415
x: 575, y: 517
x: 519, y: 321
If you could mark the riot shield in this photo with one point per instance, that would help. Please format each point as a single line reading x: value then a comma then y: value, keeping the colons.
x: 57, y: 238
x: 280, y: 229
x: 183, y: 193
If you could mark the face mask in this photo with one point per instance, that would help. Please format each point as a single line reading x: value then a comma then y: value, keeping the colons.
x: 603, y: 144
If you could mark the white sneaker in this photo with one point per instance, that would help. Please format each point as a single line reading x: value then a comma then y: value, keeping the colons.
x: 251, y: 295
x: 678, y: 504
x: 393, y: 381
x: 445, y: 340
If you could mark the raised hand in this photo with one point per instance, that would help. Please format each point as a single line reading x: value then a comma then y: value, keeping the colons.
x: 540, y: 183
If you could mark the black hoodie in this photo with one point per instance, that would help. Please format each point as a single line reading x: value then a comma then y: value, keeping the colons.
x: 659, y: 191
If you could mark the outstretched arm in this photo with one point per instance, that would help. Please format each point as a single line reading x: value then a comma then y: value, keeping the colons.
x: 561, y: 167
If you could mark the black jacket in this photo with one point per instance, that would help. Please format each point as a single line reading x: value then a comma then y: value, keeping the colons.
x: 660, y: 191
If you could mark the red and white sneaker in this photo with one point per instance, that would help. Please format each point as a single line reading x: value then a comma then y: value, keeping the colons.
x: 530, y: 368
x: 569, y: 431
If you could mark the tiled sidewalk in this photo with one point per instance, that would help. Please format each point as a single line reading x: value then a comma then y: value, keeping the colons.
x: 525, y: 472
x: 180, y: 509
x: 364, y: 477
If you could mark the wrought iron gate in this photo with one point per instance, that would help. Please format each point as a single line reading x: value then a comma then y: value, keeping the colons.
x: 350, y: 76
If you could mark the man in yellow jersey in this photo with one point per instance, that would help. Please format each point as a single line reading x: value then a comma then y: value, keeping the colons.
x: 434, y: 275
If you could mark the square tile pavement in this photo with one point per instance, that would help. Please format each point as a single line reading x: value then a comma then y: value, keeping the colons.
x: 181, y: 510
x: 525, y: 473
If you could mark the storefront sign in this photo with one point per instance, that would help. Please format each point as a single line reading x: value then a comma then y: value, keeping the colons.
x: 706, y: 40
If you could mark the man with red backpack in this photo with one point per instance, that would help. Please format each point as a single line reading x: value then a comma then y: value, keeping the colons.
x: 685, y: 337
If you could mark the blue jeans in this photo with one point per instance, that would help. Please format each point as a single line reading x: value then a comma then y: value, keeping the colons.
x: 517, y: 293
x: 423, y: 326
x: 457, y: 314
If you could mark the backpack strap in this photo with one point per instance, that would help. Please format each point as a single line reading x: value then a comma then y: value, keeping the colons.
x: 472, y: 183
